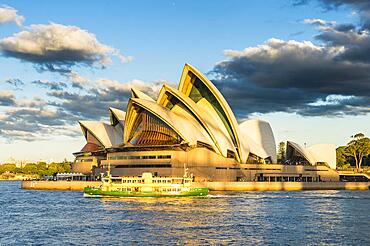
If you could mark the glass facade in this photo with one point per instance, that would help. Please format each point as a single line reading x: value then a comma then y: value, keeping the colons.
x: 136, y: 157
x: 198, y: 91
x: 150, y: 130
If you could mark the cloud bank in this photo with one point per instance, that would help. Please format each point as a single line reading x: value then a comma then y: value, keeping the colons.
x: 38, y: 118
x: 57, y: 48
x: 300, y: 76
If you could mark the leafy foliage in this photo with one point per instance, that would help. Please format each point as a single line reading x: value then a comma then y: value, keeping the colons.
x: 356, y: 152
x: 40, y: 168
x: 358, y: 148
x: 281, y: 152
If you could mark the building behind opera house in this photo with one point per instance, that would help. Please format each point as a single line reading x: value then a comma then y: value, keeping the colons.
x: 194, y: 127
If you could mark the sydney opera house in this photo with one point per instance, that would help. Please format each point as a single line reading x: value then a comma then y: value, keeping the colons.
x: 194, y: 126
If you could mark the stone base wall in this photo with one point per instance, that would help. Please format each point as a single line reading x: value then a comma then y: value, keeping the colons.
x: 277, y: 186
x: 58, y: 185
x: 213, y: 186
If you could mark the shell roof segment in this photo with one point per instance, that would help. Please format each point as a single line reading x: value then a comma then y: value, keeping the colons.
x: 139, y: 94
x: 197, y: 86
x: 106, y: 134
x: 260, y: 138
x: 117, y: 116
x: 200, y: 116
x: 176, y: 120
x: 316, y: 153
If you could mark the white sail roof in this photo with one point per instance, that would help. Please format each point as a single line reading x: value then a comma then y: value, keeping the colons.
x: 220, y: 139
x: 106, y: 134
x: 260, y: 138
x: 119, y: 115
x: 176, y: 120
x: 139, y: 94
x: 215, y: 105
x: 316, y: 153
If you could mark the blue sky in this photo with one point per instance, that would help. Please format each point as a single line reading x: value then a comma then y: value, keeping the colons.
x: 161, y: 36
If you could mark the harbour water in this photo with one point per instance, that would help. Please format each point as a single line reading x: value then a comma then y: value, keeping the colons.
x: 31, y: 217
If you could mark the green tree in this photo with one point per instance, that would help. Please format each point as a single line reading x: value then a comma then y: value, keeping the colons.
x: 11, y: 168
x: 281, y: 151
x: 341, y: 156
x: 30, y: 168
x: 358, y: 148
x: 41, y: 168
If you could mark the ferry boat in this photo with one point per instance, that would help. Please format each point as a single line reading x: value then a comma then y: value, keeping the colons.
x: 146, y: 185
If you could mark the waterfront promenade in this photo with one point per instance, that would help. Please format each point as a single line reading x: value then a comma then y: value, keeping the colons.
x: 213, y: 186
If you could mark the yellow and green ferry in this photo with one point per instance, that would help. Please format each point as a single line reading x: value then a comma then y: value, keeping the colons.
x: 146, y: 185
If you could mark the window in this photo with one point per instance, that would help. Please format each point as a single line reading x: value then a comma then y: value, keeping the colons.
x: 151, y: 130
x: 230, y: 154
x: 199, y: 90
x: 144, y: 166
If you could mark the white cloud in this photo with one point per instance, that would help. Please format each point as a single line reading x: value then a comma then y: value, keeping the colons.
x: 319, y: 22
x: 275, y: 49
x: 7, y: 98
x: 9, y: 14
x: 57, y: 47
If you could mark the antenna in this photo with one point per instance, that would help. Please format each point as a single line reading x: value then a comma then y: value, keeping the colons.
x: 185, y: 171
x: 108, y: 172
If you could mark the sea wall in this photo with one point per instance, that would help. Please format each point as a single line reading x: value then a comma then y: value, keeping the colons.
x: 213, y: 186
x: 58, y: 185
x: 275, y: 186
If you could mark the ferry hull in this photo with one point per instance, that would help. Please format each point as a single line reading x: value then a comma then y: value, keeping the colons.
x: 98, y: 193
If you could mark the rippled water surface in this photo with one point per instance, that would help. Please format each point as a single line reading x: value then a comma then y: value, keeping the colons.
x: 262, y: 218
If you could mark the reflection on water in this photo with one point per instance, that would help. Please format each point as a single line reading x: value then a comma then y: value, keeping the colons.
x: 272, y: 218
